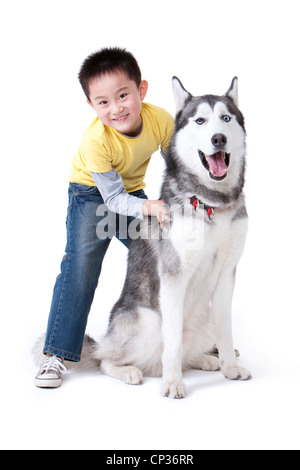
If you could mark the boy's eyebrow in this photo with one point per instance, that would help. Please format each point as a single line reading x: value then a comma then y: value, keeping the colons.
x: 116, y: 92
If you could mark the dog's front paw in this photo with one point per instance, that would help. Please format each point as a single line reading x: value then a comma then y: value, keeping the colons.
x: 236, y: 373
x: 173, y: 390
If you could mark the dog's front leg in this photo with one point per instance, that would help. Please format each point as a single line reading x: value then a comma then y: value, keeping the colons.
x: 172, y: 302
x: 221, y: 304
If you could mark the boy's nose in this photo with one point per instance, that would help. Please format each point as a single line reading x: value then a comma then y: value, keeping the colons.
x: 117, y: 109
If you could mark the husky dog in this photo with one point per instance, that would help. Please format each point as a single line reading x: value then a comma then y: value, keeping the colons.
x: 174, y: 313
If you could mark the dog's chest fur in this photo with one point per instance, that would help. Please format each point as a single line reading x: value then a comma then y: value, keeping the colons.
x: 204, y: 247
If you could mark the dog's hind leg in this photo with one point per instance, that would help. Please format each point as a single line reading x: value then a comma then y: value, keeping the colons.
x: 206, y: 362
x: 128, y: 374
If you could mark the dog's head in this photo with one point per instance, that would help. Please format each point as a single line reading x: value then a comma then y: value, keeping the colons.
x: 210, y: 134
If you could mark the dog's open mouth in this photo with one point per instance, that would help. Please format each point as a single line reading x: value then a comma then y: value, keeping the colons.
x: 217, y: 164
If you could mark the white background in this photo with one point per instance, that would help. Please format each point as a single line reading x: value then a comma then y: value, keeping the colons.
x: 43, y: 117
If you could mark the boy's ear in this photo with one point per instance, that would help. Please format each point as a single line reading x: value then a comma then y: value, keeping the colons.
x: 89, y: 102
x: 143, y: 89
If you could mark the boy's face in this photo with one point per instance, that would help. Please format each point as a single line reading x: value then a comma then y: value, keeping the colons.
x: 117, y: 101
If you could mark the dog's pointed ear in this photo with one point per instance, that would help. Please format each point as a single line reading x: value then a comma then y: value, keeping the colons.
x: 233, y: 92
x: 181, y: 96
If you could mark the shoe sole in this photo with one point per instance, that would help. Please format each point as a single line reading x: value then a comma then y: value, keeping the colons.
x: 50, y: 383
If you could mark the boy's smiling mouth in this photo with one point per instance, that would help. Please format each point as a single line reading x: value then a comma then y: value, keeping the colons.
x: 121, y: 118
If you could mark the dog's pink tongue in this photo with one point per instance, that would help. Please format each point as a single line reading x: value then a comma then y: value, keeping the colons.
x: 217, y: 164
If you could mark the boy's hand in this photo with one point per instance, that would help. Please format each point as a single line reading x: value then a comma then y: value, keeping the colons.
x: 158, y: 209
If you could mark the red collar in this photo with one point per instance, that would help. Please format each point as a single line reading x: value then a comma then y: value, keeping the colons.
x: 209, y: 210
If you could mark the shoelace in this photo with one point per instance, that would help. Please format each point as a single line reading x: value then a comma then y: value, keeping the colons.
x: 54, y: 364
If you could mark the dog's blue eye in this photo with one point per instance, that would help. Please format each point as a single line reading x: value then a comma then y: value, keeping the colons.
x: 226, y: 118
x: 200, y: 121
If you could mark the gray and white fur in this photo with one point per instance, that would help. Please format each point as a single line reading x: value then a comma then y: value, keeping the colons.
x: 175, y: 307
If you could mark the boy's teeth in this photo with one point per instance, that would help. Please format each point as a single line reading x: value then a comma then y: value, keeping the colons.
x: 121, y: 118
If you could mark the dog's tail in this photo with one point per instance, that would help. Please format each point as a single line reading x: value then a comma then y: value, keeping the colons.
x: 87, y: 362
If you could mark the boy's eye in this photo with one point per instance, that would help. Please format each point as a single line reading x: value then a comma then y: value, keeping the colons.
x: 123, y: 96
x: 102, y: 103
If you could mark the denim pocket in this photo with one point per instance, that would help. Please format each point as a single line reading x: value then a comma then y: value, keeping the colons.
x: 140, y: 194
x: 81, y: 189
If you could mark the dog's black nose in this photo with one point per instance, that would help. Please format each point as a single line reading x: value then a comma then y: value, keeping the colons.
x: 219, y: 140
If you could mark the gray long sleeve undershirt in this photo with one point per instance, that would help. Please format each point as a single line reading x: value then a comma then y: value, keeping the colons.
x: 111, y: 187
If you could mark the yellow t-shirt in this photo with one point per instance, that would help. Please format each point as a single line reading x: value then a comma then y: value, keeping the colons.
x: 103, y: 149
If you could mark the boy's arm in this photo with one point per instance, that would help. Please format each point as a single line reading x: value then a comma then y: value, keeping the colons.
x: 111, y: 187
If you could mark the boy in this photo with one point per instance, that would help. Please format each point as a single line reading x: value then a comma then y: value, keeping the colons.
x: 108, y: 171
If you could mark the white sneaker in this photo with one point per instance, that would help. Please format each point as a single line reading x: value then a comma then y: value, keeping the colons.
x: 50, y: 373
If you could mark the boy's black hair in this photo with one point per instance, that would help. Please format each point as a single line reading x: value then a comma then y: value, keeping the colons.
x: 108, y: 60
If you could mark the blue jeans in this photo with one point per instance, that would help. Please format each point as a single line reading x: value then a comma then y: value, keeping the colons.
x: 90, y: 228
